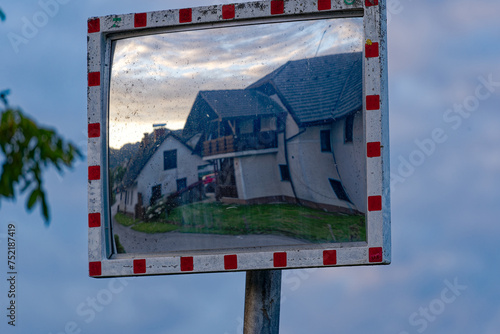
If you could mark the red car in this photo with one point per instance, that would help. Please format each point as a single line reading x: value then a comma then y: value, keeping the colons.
x: 209, y: 178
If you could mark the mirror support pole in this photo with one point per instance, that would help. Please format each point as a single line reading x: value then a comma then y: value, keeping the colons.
x: 262, y: 302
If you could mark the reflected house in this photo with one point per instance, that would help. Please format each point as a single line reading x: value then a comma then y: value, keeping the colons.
x: 295, y: 136
x: 164, y: 166
x: 239, y: 123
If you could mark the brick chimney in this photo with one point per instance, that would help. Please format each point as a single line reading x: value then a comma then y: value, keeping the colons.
x: 145, y: 141
x: 159, y: 133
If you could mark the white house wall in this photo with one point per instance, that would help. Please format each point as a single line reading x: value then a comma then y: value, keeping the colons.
x: 127, y: 200
x: 285, y: 187
x: 133, y: 199
x: 351, y: 162
x: 153, y: 174
x: 258, y: 176
x: 291, y: 128
x: 311, y: 169
x: 120, y: 199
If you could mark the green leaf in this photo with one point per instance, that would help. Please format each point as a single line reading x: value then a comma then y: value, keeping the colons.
x: 45, y: 209
x: 28, y: 149
x: 33, y: 198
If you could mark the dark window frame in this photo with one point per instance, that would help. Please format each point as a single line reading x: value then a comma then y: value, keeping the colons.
x: 183, y: 179
x: 169, y: 159
x: 349, y: 129
x: 326, y: 140
x: 339, y: 190
x: 155, y: 194
x: 285, y: 173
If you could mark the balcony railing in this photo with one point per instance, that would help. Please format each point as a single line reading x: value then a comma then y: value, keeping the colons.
x: 243, y: 142
x: 218, y: 146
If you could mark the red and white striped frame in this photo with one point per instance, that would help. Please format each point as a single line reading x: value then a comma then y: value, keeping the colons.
x: 377, y: 249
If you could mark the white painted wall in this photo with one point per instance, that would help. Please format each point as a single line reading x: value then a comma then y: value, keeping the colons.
x: 127, y: 199
x: 311, y: 168
x: 291, y: 127
x: 351, y: 161
x: 153, y: 174
x: 259, y: 175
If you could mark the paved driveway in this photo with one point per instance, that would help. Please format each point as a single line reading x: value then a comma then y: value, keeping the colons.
x: 139, y: 242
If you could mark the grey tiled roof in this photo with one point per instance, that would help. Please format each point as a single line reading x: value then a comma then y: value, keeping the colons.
x: 317, y: 89
x: 240, y: 103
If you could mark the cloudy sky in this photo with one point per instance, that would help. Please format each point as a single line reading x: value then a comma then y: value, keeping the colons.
x: 155, y: 79
x: 444, y: 79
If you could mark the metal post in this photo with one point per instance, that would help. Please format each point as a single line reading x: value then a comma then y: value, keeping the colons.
x: 262, y: 302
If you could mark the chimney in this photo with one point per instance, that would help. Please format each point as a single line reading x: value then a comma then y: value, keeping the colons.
x: 159, y: 133
x: 145, y: 141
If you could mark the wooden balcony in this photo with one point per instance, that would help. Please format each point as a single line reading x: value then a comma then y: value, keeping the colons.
x: 244, y: 142
x: 218, y: 146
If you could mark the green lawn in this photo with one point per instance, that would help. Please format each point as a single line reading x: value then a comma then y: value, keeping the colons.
x: 155, y: 227
x: 125, y: 220
x: 279, y: 219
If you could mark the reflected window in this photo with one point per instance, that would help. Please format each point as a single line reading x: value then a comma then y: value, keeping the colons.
x: 155, y: 193
x: 326, y: 145
x: 348, y: 131
x: 181, y: 184
x: 268, y: 124
x: 169, y: 159
x: 285, y: 173
x: 339, y: 190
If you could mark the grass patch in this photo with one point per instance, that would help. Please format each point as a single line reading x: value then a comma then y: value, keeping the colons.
x: 125, y: 220
x: 119, y: 247
x: 295, y: 221
x: 154, y: 227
